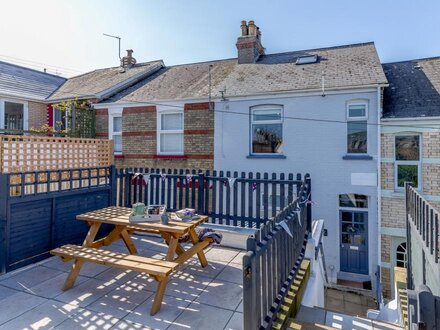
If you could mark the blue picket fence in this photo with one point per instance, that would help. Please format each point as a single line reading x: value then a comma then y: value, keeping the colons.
x: 228, y: 198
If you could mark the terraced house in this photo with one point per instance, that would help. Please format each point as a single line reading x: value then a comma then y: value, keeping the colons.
x: 23, y: 94
x: 311, y: 111
x: 410, y: 152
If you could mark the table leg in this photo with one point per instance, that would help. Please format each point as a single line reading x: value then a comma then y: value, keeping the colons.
x: 128, y: 241
x: 159, y: 295
x: 76, y: 267
x: 195, y: 239
x: 179, y: 249
x: 172, y: 247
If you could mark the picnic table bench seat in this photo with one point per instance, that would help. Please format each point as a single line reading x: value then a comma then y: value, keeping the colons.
x: 158, y: 269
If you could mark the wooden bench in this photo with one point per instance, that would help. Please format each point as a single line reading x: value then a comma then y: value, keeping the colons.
x: 158, y: 269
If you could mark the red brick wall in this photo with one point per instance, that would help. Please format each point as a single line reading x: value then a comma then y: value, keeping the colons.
x: 139, y: 137
x: 37, y: 114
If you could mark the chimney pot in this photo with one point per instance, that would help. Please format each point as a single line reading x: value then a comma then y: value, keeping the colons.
x: 244, y: 29
x: 252, y: 28
x: 128, y: 61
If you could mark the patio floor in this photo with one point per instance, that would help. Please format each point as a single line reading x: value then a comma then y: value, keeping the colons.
x: 108, y: 298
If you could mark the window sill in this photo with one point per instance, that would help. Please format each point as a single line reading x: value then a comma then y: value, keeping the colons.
x: 357, y: 157
x: 170, y: 157
x: 266, y: 157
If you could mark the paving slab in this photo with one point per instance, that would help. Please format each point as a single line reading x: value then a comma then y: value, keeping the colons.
x: 186, y: 286
x: 170, y: 309
x: 120, y: 301
x: 200, y: 316
x: 45, y: 316
x: 311, y: 315
x: 221, y: 254
x: 28, y: 278
x: 87, y: 292
x: 238, y: 259
x: 90, y: 320
x: 341, y: 321
x: 6, y: 292
x: 222, y: 294
x: 54, y: 286
x: 17, y: 304
x: 236, y: 322
x: 213, y: 268
x: 232, y: 273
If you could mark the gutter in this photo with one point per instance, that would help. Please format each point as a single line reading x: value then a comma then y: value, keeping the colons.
x: 379, y: 187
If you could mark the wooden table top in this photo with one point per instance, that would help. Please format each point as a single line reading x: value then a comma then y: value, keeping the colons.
x: 119, y: 216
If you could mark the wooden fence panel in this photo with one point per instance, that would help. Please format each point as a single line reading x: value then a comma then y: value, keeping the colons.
x: 40, y: 153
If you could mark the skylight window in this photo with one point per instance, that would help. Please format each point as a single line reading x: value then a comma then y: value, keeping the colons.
x: 307, y: 59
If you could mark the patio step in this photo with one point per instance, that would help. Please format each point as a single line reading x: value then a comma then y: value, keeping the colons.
x: 296, y: 324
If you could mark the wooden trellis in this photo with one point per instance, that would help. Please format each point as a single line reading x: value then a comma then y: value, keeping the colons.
x: 41, y: 153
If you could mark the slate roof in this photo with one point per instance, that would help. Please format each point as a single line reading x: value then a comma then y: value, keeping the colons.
x: 343, y: 66
x: 21, y: 82
x: 414, y: 89
x: 102, y: 83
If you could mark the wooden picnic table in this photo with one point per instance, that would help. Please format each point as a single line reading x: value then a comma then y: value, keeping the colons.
x: 118, y: 216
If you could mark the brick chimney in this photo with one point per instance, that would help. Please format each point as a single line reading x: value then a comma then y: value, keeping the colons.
x: 249, y: 45
x: 128, y: 61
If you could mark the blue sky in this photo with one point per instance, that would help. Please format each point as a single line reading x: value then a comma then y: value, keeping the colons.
x: 67, y: 35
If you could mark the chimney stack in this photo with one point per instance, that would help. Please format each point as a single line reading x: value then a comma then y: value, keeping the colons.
x: 249, y: 45
x: 128, y: 61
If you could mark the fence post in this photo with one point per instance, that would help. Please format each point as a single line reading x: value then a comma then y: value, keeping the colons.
x: 309, y: 203
x: 409, y: 280
x: 4, y: 195
x: 201, y: 193
x: 113, y: 185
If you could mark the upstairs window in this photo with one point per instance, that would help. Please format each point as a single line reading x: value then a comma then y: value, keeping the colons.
x: 266, y: 130
x: 407, y: 160
x: 357, y: 115
x: 170, y: 133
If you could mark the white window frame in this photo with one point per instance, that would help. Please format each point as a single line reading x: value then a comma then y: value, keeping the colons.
x: 114, y: 113
x: 179, y: 131
x: 66, y: 118
x: 25, y: 112
x: 252, y: 122
x: 408, y: 162
x: 356, y: 119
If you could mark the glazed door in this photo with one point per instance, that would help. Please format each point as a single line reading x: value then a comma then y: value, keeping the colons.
x: 354, y: 241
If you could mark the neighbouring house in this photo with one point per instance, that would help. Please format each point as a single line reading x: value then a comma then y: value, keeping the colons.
x: 23, y: 94
x: 98, y: 85
x: 410, y: 134
x: 313, y: 111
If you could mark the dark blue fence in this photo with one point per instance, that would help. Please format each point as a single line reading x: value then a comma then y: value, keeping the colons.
x: 228, y: 198
x: 273, y: 258
x: 38, y: 211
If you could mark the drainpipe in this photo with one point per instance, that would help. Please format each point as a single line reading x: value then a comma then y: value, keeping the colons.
x: 379, y: 192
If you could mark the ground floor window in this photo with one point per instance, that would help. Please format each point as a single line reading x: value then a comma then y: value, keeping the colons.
x: 14, y: 116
